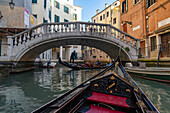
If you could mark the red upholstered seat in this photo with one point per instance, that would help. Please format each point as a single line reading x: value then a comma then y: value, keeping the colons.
x: 97, y: 109
x: 109, y: 99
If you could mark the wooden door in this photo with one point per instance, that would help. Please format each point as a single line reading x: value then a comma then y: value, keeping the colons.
x: 125, y: 27
x: 165, y: 39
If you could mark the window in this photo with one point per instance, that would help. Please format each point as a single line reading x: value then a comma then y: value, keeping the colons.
x: 45, y: 21
x: 56, y: 18
x: 94, y: 56
x: 50, y: 15
x: 94, y: 21
x: 100, y: 18
x: 74, y: 16
x: 35, y: 15
x: 65, y: 20
x: 153, y: 43
x: 108, y: 14
x: 150, y: 2
x: 34, y: 1
x: 66, y: 9
x: 124, y: 6
x: 57, y: 4
x: 103, y: 16
x: 136, y: 1
x: 45, y: 4
x: 114, y: 21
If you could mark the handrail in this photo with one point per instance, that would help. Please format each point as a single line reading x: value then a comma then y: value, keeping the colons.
x: 61, y: 23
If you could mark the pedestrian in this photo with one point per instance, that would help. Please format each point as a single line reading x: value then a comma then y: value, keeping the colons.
x: 73, y: 55
x: 98, y: 63
x: 48, y: 63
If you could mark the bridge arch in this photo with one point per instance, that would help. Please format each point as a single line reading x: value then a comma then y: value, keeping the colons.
x: 27, y: 45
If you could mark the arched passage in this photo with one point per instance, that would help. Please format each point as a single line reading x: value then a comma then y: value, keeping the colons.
x: 109, y: 47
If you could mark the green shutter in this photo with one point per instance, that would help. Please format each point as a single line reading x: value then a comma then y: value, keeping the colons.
x: 55, y: 18
x: 50, y: 15
x: 44, y: 4
x: 58, y: 19
x: 54, y: 3
x: 147, y: 3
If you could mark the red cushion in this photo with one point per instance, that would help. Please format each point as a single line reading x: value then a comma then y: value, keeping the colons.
x: 109, y: 99
x: 97, y: 109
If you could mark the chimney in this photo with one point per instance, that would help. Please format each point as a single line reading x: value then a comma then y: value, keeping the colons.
x: 97, y: 11
x: 106, y: 5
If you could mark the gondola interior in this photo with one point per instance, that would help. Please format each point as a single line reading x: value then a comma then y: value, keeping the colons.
x: 111, y: 91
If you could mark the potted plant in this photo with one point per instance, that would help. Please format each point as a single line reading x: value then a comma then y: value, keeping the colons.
x: 127, y: 49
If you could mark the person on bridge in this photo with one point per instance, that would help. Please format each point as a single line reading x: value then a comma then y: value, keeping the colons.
x: 73, y: 55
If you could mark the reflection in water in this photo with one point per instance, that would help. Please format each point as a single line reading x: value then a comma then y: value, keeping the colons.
x: 22, y: 93
x: 158, y: 93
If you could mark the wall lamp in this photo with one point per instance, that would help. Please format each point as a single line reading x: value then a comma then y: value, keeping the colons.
x: 130, y: 23
x: 11, y: 4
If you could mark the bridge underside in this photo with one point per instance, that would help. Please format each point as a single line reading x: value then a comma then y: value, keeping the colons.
x: 109, y: 47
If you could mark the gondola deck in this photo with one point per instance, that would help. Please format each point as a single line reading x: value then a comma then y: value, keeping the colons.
x: 106, y: 93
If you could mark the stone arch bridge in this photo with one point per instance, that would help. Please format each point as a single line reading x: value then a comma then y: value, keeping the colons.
x: 27, y: 45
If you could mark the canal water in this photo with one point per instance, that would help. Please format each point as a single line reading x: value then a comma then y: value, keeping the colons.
x: 23, y: 93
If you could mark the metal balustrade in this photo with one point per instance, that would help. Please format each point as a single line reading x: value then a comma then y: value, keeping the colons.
x: 103, y: 30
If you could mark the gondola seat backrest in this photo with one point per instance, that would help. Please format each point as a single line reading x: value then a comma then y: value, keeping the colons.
x: 113, y: 85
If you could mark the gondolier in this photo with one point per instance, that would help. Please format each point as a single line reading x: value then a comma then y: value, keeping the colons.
x: 73, y: 54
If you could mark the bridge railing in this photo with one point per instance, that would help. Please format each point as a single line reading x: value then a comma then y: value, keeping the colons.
x: 104, y: 30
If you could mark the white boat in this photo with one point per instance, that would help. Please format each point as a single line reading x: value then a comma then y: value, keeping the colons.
x: 51, y: 65
x: 161, y: 74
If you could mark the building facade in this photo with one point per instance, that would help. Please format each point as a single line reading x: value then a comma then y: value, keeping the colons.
x: 148, y: 20
x: 110, y: 15
x: 14, y: 21
x: 56, y: 11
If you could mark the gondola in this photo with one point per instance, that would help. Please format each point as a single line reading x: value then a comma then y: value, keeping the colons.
x: 78, y: 67
x: 110, y: 91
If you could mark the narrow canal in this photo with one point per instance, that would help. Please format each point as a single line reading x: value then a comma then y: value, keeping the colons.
x: 23, y: 93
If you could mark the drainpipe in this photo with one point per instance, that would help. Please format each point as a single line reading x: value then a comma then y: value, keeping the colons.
x: 146, y: 28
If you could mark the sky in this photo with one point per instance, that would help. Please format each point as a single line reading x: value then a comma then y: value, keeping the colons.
x: 90, y: 7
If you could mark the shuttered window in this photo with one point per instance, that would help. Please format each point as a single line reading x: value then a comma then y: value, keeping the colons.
x: 57, y: 18
x: 136, y: 1
x: 57, y: 4
x: 150, y: 2
x: 66, y: 9
x: 45, y: 4
x: 45, y: 21
x: 100, y: 18
x: 34, y: 1
x: 50, y: 15
x: 124, y: 6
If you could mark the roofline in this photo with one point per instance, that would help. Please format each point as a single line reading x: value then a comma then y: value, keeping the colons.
x: 77, y: 6
x: 104, y: 9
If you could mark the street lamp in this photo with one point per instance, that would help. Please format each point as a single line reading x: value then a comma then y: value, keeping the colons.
x: 11, y: 4
x: 130, y: 23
